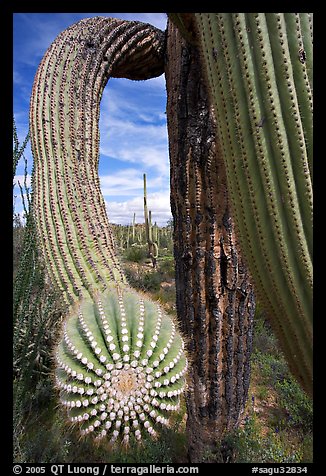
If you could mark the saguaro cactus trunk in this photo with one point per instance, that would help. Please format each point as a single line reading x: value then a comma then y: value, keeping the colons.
x: 215, y: 301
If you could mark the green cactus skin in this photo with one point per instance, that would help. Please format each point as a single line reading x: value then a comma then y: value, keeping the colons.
x: 69, y: 209
x: 117, y: 348
x: 120, y: 366
x: 259, y: 72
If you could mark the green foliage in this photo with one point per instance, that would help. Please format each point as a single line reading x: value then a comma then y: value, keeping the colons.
x: 35, y: 314
x: 295, y: 408
x: 152, y: 281
x: 278, y: 425
x: 18, y: 241
x: 136, y: 253
x: 296, y: 403
x: 272, y: 367
x: 264, y: 339
x: 250, y: 446
x: 166, y: 268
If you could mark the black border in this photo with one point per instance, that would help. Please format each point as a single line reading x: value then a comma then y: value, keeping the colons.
x: 6, y: 116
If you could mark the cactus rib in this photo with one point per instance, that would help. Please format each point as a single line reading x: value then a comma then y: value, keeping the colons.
x: 121, y: 366
x: 259, y: 72
x: 72, y: 221
x: 120, y: 359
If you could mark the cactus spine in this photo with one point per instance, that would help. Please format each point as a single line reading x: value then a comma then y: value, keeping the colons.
x: 116, y: 347
x: 214, y: 297
x: 259, y: 72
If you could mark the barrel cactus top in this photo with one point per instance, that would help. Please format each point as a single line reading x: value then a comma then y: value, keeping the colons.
x: 120, y: 366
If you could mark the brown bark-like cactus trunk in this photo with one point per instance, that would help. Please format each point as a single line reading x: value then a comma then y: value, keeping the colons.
x: 215, y: 301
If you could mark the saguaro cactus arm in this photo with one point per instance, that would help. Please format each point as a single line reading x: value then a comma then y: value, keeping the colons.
x: 120, y: 360
x: 259, y: 72
x: 70, y: 211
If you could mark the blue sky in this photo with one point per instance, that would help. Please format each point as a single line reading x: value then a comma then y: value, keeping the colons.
x: 132, y: 121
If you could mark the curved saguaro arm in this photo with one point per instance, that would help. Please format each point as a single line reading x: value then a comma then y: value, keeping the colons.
x: 69, y: 208
x: 259, y: 73
x: 120, y: 361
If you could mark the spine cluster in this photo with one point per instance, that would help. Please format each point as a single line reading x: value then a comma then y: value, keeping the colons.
x: 120, y: 366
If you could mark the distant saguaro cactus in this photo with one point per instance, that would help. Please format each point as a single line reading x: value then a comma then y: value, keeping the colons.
x: 152, y: 246
x: 120, y: 361
x: 259, y: 69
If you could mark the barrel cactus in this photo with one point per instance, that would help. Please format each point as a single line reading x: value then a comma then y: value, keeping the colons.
x: 259, y: 74
x: 120, y: 360
x: 120, y: 366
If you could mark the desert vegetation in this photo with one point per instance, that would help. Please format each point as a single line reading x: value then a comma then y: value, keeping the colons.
x: 276, y: 425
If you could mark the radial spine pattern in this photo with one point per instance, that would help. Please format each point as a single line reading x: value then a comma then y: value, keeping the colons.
x: 120, y: 366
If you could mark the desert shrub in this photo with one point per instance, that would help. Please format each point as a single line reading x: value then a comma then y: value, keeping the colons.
x: 264, y: 339
x: 166, y: 295
x: 152, y: 281
x: 166, y: 268
x: 272, y: 368
x: 296, y: 403
x: 135, y: 254
x: 250, y: 445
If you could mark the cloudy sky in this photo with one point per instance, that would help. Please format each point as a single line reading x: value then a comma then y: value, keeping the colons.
x: 132, y: 122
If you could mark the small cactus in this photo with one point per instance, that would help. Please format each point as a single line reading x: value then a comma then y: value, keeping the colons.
x: 120, y: 366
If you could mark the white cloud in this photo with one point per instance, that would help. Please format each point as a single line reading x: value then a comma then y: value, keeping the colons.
x: 136, y: 98
x: 133, y: 133
x: 127, y: 182
x: 123, y: 212
x: 21, y: 179
x: 132, y: 122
